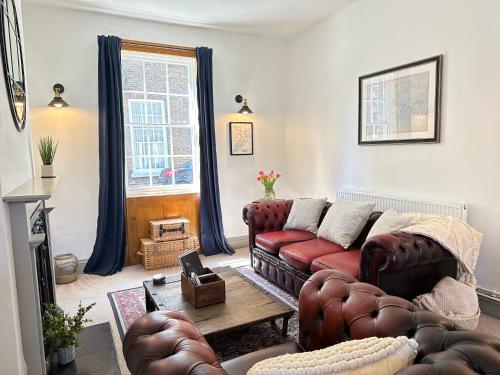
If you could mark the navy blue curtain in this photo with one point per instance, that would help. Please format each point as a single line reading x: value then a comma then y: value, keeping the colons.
x: 109, y: 248
x: 212, y: 230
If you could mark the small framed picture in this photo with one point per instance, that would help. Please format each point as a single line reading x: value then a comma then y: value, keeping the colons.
x: 401, y: 104
x: 241, y: 138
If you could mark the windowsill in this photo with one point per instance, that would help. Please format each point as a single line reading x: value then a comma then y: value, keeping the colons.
x: 138, y: 193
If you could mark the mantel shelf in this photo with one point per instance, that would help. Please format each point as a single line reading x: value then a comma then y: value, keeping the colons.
x: 34, y: 190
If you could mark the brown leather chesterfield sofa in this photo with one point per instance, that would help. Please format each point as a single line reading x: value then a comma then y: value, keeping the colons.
x: 401, y: 264
x: 333, y: 307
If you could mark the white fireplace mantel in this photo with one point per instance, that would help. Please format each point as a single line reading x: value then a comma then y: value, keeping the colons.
x: 26, y: 204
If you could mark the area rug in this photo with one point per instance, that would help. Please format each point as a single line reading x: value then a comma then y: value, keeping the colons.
x: 129, y: 305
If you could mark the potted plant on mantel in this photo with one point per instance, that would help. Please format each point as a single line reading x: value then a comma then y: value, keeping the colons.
x: 47, y: 148
x: 60, y: 331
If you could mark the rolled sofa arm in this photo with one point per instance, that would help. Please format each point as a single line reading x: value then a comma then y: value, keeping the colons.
x: 398, y: 251
x: 265, y: 217
x: 168, y: 343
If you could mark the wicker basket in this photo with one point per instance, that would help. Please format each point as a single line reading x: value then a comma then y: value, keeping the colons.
x: 157, y: 255
x: 169, y: 229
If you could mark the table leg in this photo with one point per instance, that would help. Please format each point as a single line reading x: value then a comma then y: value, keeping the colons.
x: 284, y: 327
x: 150, y: 306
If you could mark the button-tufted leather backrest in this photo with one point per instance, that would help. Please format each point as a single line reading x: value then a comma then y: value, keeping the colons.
x: 166, y: 342
x: 266, y: 217
x: 334, y: 307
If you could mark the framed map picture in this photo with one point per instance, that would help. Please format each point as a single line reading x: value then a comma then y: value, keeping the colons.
x: 401, y: 104
x: 241, y: 138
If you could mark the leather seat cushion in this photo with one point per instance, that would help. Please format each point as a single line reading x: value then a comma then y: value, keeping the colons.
x: 347, y: 262
x: 301, y: 254
x: 273, y: 241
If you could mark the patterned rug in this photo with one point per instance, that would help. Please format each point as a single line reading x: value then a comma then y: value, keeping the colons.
x: 129, y: 305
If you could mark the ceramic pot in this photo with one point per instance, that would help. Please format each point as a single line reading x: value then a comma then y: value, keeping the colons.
x: 47, y: 171
x: 66, y: 355
x: 65, y: 268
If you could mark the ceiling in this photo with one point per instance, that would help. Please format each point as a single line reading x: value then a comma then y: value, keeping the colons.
x: 276, y: 18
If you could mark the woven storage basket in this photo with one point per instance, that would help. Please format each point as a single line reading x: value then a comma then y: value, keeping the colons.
x: 157, y: 255
x: 169, y: 229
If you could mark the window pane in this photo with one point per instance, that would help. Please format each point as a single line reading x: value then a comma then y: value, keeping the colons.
x: 157, y: 105
x: 132, y: 75
x: 181, y: 140
x: 165, y: 176
x: 183, y: 170
x: 156, y: 77
x: 178, y: 79
x: 128, y: 99
x: 179, y: 110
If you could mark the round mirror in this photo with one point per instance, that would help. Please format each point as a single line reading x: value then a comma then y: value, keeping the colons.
x: 13, y: 62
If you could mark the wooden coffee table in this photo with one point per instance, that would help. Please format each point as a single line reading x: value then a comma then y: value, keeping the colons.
x: 246, y: 304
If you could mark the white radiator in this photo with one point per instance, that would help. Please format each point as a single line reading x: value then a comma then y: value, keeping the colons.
x: 384, y: 202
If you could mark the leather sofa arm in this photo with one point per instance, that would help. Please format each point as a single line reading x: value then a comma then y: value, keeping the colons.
x: 168, y: 343
x: 265, y: 217
x: 398, y: 251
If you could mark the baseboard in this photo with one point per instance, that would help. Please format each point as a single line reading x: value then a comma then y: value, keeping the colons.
x: 489, y: 305
x: 81, y: 265
x: 238, y: 242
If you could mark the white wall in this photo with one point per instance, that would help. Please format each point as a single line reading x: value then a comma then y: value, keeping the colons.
x: 15, y: 169
x: 62, y: 47
x: 368, y: 36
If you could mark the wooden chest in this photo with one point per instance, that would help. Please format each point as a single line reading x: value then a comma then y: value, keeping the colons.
x: 157, y: 255
x: 169, y: 229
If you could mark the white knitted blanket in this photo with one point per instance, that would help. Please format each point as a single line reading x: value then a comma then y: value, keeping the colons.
x: 456, y: 300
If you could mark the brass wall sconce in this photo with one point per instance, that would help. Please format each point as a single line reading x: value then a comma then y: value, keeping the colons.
x: 57, y: 101
x: 245, y: 109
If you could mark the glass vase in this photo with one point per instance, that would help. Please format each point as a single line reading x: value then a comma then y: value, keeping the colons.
x: 269, y: 193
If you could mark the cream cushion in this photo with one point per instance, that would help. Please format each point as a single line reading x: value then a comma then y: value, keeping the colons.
x: 305, y: 214
x: 344, y: 221
x: 390, y: 221
x: 381, y: 356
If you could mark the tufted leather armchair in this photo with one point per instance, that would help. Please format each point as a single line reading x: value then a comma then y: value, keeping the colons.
x: 401, y: 264
x: 333, y: 307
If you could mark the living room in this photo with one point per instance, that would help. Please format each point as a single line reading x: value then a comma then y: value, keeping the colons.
x: 303, y: 70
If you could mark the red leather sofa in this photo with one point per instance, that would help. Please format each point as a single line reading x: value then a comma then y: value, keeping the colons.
x: 332, y: 307
x: 401, y: 264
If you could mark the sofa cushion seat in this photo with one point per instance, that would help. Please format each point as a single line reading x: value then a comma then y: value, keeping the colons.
x: 273, y: 241
x: 347, y: 262
x: 301, y: 254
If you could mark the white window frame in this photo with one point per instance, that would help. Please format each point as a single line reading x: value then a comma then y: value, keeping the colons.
x: 193, y: 125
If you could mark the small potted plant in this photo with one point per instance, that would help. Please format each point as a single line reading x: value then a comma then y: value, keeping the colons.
x: 60, y: 331
x: 268, y: 181
x: 47, y: 148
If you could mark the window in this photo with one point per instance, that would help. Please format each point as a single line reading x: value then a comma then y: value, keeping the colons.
x: 161, y: 123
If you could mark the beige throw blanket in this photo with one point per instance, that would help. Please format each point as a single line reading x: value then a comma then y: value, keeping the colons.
x: 456, y: 236
x: 456, y: 300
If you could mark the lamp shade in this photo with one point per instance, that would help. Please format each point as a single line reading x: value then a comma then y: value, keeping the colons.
x: 57, y: 101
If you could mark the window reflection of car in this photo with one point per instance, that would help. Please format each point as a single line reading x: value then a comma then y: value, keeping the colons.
x: 183, y: 174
